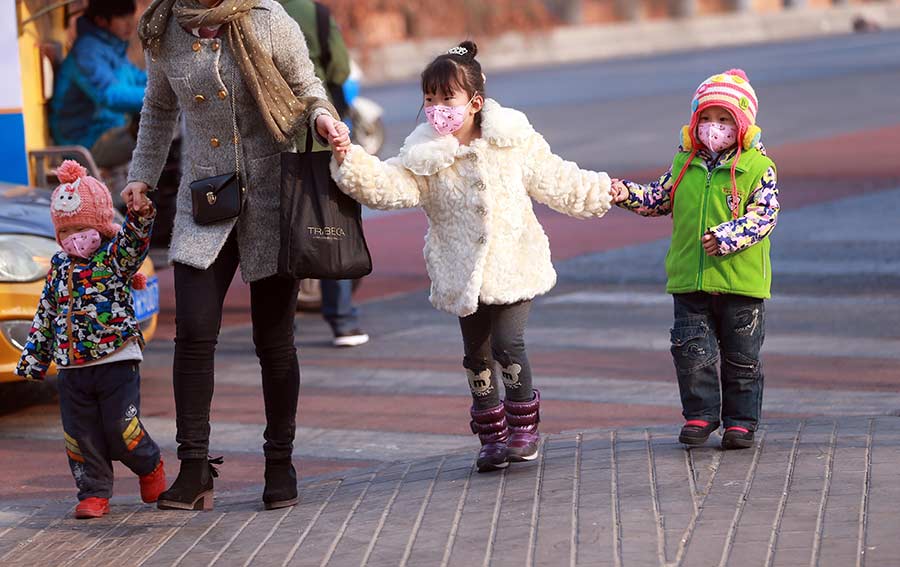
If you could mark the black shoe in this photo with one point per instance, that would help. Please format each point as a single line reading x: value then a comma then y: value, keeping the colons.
x: 281, y: 484
x: 193, y: 489
x: 696, y: 431
x: 737, y: 438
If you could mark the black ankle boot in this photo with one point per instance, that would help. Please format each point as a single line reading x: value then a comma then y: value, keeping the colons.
x: 193, y: 489
x: 281, y: 484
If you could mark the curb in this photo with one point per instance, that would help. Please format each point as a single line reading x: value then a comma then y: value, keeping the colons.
x: 402, y: 61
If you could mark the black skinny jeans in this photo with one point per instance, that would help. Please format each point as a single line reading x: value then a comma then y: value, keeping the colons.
x: 199, y: 297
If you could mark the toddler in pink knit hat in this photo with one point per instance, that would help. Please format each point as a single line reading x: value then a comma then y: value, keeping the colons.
x: 86, y: 324
x: 82, y: 210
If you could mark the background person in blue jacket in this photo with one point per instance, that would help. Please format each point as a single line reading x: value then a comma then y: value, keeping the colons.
x: 97, y: 87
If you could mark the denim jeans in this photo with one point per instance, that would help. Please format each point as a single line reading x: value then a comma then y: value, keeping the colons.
x: 199, y: 299
x: 337, y: 305
x: 495, y: 336
x: 712, y: 330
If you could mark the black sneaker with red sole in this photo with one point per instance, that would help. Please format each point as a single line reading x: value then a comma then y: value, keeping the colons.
x: 737, y: 438
x: 696, y: 432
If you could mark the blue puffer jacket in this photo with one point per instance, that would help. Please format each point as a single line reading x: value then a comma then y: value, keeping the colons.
x: 96, y: 87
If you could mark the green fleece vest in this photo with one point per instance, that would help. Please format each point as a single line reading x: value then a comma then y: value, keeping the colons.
x: 702, y: 202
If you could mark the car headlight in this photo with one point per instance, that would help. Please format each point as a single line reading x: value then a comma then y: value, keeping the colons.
x: 25, y: 258
x: 16, y: 332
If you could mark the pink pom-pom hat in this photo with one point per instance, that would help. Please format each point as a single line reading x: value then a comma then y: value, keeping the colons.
x: 81, y: 200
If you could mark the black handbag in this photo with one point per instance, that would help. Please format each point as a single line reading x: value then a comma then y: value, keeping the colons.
x: 321, y: 227
x: 219, y: 198
x: 216, y: 199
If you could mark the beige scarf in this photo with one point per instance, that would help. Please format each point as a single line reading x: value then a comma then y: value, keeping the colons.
x: 282, y: 111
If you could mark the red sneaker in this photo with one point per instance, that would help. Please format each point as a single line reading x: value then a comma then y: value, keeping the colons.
x: 92, y: 508
x: 153, y: 484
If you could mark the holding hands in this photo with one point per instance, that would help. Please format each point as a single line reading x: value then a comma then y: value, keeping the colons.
x: 618, y: 190
x: 337, y: 133
x: 135, y: 197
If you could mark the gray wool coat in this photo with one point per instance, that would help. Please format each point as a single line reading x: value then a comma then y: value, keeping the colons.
x: 201, y: 78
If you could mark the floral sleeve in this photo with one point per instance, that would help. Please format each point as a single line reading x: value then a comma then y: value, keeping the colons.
x: 759, y: 220
x: 651, y: 200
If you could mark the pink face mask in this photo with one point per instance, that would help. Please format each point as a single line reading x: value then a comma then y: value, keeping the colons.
x: 447, y: 119
x: 716, y: 136
x: 82, y: 244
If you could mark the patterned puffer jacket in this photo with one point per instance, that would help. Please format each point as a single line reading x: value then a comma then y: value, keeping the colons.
x: 86, y: 312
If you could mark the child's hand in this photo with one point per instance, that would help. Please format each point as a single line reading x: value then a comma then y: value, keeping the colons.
x: 710, y: 244
x: 341, y: 137
x: 141, y: 205
x: 339, y: 154
x: 618, y: 190
x: 134, y: 194
x: 340, y: 143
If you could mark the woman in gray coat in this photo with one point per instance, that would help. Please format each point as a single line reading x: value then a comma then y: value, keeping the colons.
x: 240, y: 74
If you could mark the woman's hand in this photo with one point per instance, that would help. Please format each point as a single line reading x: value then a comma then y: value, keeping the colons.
x: 135, y: 196
x: 327, y: 127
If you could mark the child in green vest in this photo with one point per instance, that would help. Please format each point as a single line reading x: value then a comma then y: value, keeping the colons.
x: 718, y: 264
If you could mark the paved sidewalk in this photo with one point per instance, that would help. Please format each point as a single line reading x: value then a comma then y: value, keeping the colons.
x: 813, y: 492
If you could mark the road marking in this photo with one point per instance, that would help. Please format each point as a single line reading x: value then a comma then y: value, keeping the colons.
x: 652, y: 299
x: 785, y: 494
x: 657, y: 339
x: 597, y: 389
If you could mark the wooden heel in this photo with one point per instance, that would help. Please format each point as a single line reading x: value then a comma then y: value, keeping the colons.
x: 204, y: 501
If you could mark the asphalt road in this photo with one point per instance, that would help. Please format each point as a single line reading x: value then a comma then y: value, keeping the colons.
x: 626, y: 114
x: 829, y: 110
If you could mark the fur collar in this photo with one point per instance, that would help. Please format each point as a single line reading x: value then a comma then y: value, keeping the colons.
x: 425, y: 152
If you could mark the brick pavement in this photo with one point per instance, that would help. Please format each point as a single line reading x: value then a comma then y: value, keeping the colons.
x: 812, y: 492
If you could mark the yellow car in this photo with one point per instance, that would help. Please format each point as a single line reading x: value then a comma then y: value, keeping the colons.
x: 27, y: 242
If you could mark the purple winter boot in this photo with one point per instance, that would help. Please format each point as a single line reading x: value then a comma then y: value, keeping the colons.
x: 524, y: 439
x: 491, y: 428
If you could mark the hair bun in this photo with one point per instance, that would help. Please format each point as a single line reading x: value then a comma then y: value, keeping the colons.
x: 470, y: 47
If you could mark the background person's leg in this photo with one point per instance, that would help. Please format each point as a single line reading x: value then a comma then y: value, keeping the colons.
x: 340, y: 313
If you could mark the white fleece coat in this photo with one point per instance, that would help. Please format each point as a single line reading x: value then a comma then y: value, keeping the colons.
x: 484, y: 242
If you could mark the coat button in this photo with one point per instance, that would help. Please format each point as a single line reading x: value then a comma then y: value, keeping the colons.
x: 223, y: 94
x: 482, y: 240
x: 482, y: 211
x: 480, y: 186
x: 214, y: 142
x: 215, y: 46
x: 196, y: 46
x: 199, y: 98
x: 473, y: 156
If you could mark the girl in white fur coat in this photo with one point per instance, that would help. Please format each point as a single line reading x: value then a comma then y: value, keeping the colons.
x: 474, y: 169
